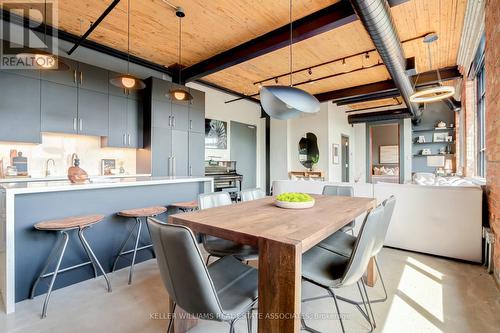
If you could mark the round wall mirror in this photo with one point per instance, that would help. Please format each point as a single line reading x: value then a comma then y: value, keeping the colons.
x: 308, y: 150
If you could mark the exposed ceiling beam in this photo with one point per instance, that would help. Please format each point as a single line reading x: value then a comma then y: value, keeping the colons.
x: 228, y: 91
x: 326, y: 19
x: 379, y: 116
x: 94, y: 25
x: 384, y: 89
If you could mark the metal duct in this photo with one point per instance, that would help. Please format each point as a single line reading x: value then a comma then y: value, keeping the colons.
x: 378, y: 22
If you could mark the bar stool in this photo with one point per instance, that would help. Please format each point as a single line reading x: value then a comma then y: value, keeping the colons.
x: 140, y: 215
x: 186, y: 206
x: 63, y: 226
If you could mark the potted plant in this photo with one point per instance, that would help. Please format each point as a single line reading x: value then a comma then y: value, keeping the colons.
x: 314, y: 161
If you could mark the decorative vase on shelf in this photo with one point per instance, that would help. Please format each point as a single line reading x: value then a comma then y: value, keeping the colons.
x: 77, y: 175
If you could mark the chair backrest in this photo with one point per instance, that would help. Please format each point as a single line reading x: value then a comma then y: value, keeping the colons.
x: 346, y: 191
x: 389, y: 205
x: 215, y: 199
x: 252, y: 194
x: 363, y: 248
x: 182, y: 269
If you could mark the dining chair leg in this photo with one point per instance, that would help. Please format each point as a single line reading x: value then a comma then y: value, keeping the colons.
x: 208, y: 259
x: 54, y: 276
x: 307, y: 328
x: 369, y: 304
x: 249, y: 321
x: 231, y: 326
x: 170, y: 322
x: 365, y: 314
x: 338, y: 309
x: 122, y: 247
x: 383, y: 299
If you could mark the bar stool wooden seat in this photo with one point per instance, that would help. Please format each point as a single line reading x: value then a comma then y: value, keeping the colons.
x: 186, y: 206
x: 80, y: 223
x: 140, y: 215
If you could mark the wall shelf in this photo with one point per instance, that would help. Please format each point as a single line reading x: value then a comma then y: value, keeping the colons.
x: 433, y: 129
x: 433, y: 142
x: 420, y: 155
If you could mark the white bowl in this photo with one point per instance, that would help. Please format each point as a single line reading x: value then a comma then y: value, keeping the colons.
x: 294, y: 205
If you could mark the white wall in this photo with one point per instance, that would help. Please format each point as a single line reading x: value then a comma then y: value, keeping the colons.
x: 242, y: 111
x: 338, y: 126
x: 279, y: 150
x: 359, y: 171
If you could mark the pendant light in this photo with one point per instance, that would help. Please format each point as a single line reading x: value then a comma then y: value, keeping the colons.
x: 180, y: 94
x: 41, y: 59
x: 432, y: 94
x: 287, y: 102
x: 127, y: 81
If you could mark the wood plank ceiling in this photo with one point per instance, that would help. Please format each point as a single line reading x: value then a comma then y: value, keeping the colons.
x: 218, y: 25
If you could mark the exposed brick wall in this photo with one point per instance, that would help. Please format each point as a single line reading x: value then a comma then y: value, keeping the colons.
x: 492, y: 63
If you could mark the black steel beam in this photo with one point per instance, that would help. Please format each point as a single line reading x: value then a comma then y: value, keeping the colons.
x: 385, y: 89
x: 228, y: 91
x: 379, y: 116
x: 326, y: 19
x: 94, y: 25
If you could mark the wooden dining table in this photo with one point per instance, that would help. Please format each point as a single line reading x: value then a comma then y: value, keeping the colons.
x: 282, y: 236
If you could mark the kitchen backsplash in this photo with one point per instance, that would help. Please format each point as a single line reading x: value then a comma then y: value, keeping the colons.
x: 60, y: 147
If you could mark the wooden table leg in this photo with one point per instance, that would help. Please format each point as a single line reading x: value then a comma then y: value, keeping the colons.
x: 279, y: 287
x: 182, y: 321
x: 371, y: 273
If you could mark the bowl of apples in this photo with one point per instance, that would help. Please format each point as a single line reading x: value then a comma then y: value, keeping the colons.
x: 293, y: 200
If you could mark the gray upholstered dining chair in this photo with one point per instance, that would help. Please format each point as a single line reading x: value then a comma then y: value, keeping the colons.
x: 346, y: 191
x: 218, y: 247
x: 224, y: 291
x: 343, y: 244
x: 252, y: 194
x: 332, y: 271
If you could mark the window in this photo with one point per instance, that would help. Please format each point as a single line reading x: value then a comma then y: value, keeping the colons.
x: 479, y: 70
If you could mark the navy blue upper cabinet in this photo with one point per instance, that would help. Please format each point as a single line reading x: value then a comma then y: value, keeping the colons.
x: 197, y: 112
x: 92, y: 78
x: 180, y: 117
x: 92, y: 113
x: 125, y: 123
x: 59, y: 108
x: 68, y: 77
x: 160, y: 89
x: 19, y: 108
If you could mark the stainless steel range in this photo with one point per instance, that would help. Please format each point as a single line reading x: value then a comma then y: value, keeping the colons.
x: 225, y: 176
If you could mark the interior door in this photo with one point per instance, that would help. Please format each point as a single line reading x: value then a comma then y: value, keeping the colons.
x: 345, y: 158
x: 244, y: 151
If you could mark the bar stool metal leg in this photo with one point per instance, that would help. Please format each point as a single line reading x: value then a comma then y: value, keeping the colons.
x: 131, y: 273
x: 51, y: 285
x: 150, y: 238
x: 56, y: 249
x: 93, y: 257
x: 122, y: 247
x: 88, y: 255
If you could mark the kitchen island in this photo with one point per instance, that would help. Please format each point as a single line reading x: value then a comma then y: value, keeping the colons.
x: 23, y: 249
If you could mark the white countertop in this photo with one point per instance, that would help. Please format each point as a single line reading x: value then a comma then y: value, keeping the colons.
x: 96, y: 183
x: 58, y: 178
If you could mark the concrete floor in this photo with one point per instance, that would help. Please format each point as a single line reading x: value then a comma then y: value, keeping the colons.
x: 426, y: 294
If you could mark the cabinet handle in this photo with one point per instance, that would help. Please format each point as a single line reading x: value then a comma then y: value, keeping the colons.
x: 74, y: 76
x: 190, y: 124
x: 81, y: 124
x: 124, y: 139
x: 81, y: 78
x: 74, y: 124
x: 173, y: 121
x: 128, y: 139
x: 169, y: 165
x: 173, y: 166
x: 190, y: 170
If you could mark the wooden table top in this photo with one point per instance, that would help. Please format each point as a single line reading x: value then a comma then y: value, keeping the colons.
x: 246, y: 222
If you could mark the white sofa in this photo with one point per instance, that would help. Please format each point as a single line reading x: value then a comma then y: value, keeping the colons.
x: 439, y: 220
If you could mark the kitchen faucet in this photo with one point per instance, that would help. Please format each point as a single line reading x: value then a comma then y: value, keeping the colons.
x: 47, y: 170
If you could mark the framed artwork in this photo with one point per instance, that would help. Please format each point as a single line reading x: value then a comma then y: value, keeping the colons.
x: 215, y: 134
x: 389, y: 154
x: 440, y: 137
x: 335, y: 153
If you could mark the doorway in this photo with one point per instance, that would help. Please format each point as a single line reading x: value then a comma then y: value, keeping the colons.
x: 344, y: 141
x: 385, y: 152
x: 244, y: 151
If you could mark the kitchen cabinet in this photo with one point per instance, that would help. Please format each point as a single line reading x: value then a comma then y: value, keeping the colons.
x: 125, y: 123
x: 161, y: 142
x: 180, y: 153
x: 59, y: 108
x: 68, y: 77
x: 196, y: 154
x: 92, y: 78
x: 180, y: 117
x: 197, y: 112
x: 92, y: 113
x: 19, y: 108
x: 160, y: 89
x: 161, y: 114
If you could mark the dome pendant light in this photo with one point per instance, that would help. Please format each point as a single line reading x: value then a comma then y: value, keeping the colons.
x: 287, y: 102
x: 432, y: 94
x: 180, y: 94
x: 127, y: 81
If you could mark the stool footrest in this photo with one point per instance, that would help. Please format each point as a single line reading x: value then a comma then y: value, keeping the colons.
x: 67, y: 269
x: 139, y: 248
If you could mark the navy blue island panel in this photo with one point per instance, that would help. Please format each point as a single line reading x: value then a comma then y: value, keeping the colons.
x: 32, y: 246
